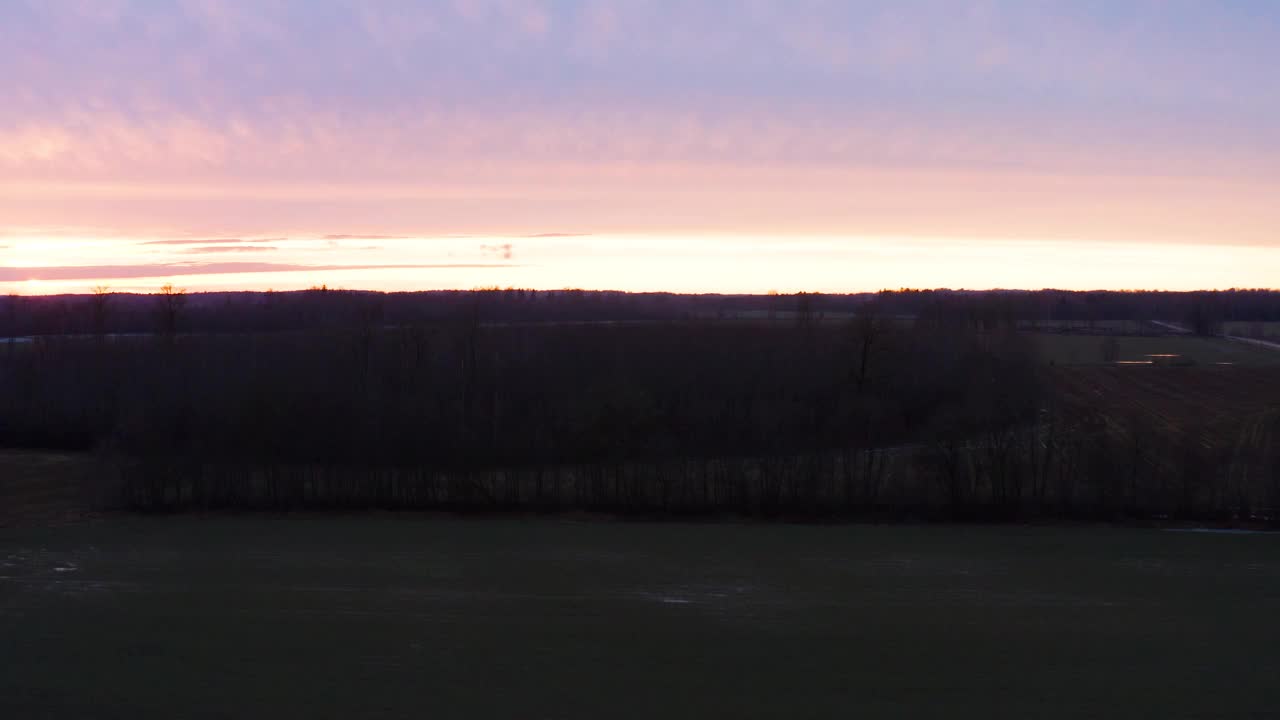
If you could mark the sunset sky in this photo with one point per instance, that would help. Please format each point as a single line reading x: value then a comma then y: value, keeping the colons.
x: 720, y: 146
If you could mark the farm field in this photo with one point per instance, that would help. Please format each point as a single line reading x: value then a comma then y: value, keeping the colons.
x: 1125, y: 327
x: 42, y: 487
x: 781, y: 316
x: 1252, y: 329
x: 414, y: 616
x: 1067, y: 349
x: 1202, y: 394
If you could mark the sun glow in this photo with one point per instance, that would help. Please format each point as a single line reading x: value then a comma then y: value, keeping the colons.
x: 687, y: 263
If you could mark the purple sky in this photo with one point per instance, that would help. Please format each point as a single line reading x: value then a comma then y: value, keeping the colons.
x: 754, y: 145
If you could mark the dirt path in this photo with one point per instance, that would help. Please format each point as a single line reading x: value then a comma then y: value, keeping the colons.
x: 1171, y: 327
x: 1253, y: 341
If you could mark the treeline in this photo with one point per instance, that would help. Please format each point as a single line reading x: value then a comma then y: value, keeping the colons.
x: 323, y: 308
x: 463, y: 394
x: 1202, y: 312
x: 105, y: 312
x: 467, y: 399
x: 868, y: 416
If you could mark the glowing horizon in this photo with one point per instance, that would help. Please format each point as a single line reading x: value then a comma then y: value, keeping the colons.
x: 807, y: 145
x: 726, y: 265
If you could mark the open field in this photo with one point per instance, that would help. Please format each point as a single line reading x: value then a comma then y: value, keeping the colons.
x: 1091, y: 349
x: 1205, y: 394
x: 1252, y: 329
x: 1208, y: 399
x: 412, y: 616
x: 781, y: 316
x: 42, y: 487
x: 1122, y: 327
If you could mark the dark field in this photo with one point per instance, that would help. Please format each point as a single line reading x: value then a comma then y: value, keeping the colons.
x: 413, y: 616
x: 1167, y: 349
x: 1175, y: 397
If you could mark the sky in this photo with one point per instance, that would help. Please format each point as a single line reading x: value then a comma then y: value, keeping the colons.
x: 713, y: 146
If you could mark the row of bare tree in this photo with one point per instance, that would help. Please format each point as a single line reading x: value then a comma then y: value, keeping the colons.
x: 870, y: 416
x: 322, y: 308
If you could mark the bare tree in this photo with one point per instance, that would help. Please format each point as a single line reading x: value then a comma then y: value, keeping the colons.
x: 100, y: 299
x: 868, y: 329
x: 171, y: 302
x: 807, y: 312
x: 11, y: 313
x: 1110, y: 349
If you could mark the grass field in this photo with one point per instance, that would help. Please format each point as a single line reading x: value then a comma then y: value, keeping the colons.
x: 1260, y: 330
x: 1203, y: 394
x: 1090, y: 349
x: 787, y: 316
x: 42, y: 487
x: 1216, y: 402
x: 1129, y: 327
x: 409, y: 616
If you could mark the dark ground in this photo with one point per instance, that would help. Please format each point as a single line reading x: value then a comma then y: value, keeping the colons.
x: 44, y: 488
x: 414, y: 616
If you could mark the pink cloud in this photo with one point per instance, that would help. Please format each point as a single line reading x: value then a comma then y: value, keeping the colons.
x: 160, y: 270
x: 505, y: 117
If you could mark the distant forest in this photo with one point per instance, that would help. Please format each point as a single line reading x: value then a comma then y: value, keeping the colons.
x: 326, y: 309
x: 908, y: 404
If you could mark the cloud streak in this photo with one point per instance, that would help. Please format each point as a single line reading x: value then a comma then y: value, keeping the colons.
x: 502, y: 250
x: 214, y: 241
x: 229, y: 249
x: 162, y: 270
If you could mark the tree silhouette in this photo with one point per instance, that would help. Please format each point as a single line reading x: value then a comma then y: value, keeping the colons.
x: 171, y: 300
x: 99, y: 302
